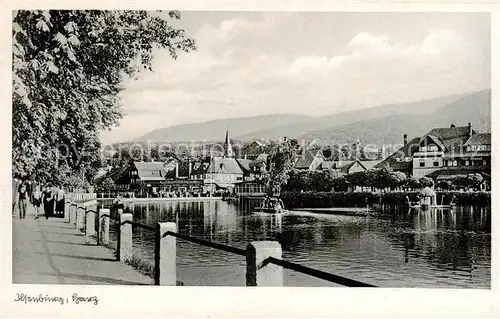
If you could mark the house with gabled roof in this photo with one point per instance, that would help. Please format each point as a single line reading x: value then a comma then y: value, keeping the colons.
x: 443, y: 153
x: 142, y: 177
x: 309, y: 160
x: 254, y: 149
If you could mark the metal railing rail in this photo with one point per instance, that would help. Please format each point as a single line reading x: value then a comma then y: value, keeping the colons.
x: 315, y: 273
x: 203, y: 242
x: 138, y: 225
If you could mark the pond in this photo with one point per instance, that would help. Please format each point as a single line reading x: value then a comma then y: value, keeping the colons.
x: 398, y: 247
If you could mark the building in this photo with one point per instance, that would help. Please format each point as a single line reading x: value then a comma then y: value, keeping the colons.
x: 148, y: 176
x: 139, y: 177
x: 223, y: 172
x: 244, y: 164
x: 308, y: 161
x: 444, y: 153
x: 401, y: 160
x: 250, y: 189
x: 254, y: 149
x: 220, y: 172
x: 345, y: 167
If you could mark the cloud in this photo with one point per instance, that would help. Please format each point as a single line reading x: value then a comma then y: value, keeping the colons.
x: 253, y: 65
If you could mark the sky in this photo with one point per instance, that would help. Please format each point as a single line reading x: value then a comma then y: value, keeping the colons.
x: 311, y: 63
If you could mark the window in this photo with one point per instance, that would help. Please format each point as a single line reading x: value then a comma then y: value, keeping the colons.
x: 239, y: 178
x: 433, y: 148
x: 436, y: 163
x: 422, y: 164
x: 455, y: 162
x: 466, y: 162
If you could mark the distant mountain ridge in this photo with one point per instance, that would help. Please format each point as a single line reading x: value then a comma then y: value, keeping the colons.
x: 216, y: 129
x: 474, y: 108
x: 376, y: 125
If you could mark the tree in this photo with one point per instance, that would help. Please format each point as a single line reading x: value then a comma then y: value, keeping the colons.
x: 106, y: 185
x: 396, y: 179
x: 279, y: 164
x: 445, y: 184
x: 357, y: 179
x: 413, y: 182
x: 338, y: 182
x: 426, y: 181
x: 470, y: 180
x: 68, y: 68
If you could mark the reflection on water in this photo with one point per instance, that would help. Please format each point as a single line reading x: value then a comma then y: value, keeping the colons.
x: 398, y: 248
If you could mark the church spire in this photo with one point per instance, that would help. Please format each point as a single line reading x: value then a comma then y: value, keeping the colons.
x: 228, y: 149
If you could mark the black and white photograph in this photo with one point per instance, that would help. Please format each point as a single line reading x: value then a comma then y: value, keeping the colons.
x: 251, y: 148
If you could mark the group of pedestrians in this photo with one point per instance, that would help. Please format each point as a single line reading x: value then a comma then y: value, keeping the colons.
x: 51, y: 198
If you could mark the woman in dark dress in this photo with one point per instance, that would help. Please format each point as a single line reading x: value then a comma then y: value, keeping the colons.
x: 48, y: 201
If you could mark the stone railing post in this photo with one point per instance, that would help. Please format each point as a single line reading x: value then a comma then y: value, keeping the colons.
x: 73, y: 214
x: 103, y: 226
x: 67, y: 211
x: 165, y: 255
x: 80, y: 217
x: 89, y: 226
x: 263, y: 275
x: 125, y: 250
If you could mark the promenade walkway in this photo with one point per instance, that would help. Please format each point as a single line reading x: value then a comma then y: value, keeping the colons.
x: 54, y: 252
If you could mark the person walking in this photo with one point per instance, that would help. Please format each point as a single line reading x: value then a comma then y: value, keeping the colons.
x: 48, y: 202
x: 37, y: 200
x: 29, y: 190
x: 22, y: 200
x: 59, y: 198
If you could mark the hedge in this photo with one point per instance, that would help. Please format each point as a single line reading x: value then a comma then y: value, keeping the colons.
x: 361, y: 199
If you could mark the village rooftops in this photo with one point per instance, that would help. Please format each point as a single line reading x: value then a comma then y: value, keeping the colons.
x: 399, y: 160
x: 479, y: 139
x: 150, y: 170
x: 306, y: 159
x: 244, y: 164
x: 221, y: 165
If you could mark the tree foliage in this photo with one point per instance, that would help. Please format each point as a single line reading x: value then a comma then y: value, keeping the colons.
x: 106, y: 184
x: 68, y: 68
x: 279, y: 164
x: 468, y: 181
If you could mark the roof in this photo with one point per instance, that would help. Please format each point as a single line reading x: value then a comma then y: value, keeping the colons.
x: 450, y: 132
x: 115, y: 174
x: 327, y: 164
x: 479, y: 139
x: 221, y: 165
x: 244, y: 164
x: 405, y: 151
x: 370, y: 164
x: 262, y: 158
x: 259, y: 143
x: 453, y: 138
x: 304, y: 161
x: 435, y: 139
x: 150, y: 170
x: 347, y: 167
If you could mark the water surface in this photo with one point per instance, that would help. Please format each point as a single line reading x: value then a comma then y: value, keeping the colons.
x: 397, y: 248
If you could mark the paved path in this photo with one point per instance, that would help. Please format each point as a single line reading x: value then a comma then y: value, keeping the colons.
x: 54, y: 252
